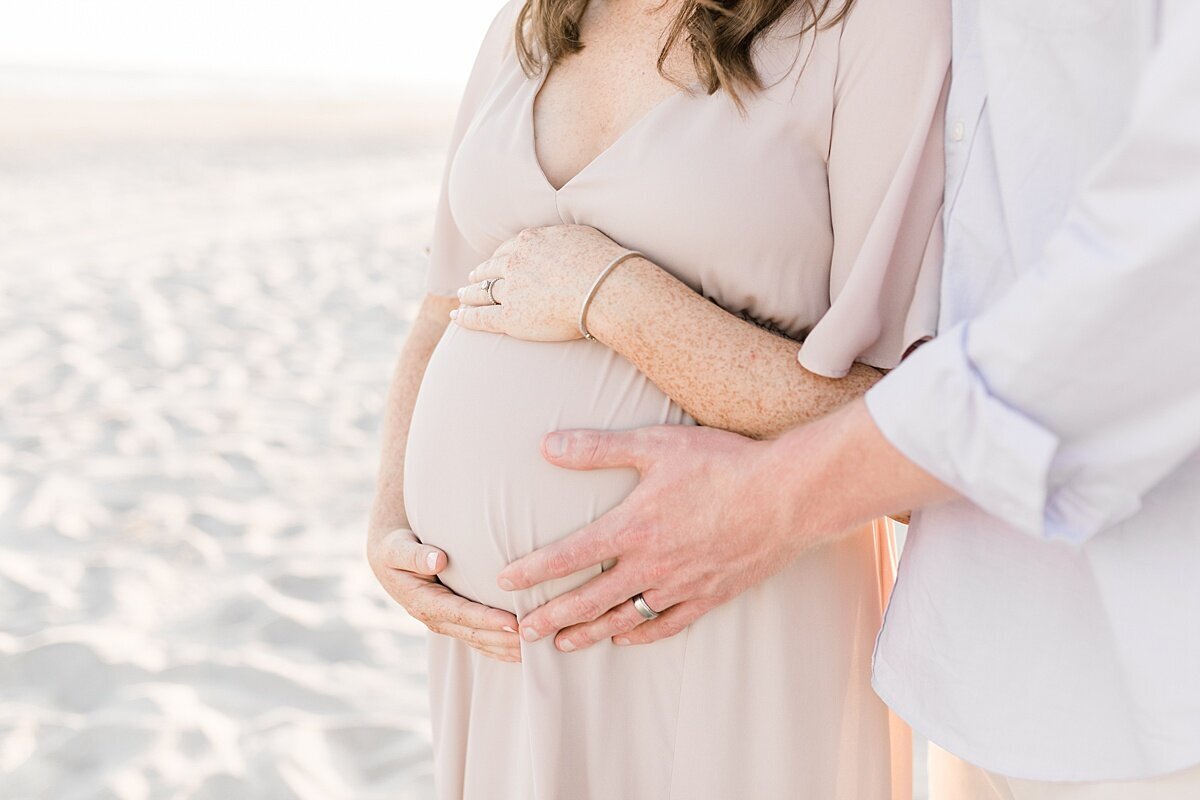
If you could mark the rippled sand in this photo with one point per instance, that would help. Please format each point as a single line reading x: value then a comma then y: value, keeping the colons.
x: 199, y: 309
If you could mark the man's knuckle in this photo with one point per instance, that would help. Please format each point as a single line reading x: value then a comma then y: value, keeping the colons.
x: 585, y: 608
x: 624, y: 623
x: 559, y: 562
x: 595, y: 446
x: 714, y: 588
x: 653, y: 436
x: 636, y: 535
x: 671, y: 627
x: 628, y: 534
x: 657, y: 572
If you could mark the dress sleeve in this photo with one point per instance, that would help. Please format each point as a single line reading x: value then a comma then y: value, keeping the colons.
x: 450, y: 256
x: 886, y: 173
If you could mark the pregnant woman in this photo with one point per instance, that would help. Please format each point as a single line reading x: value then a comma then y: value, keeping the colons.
x: 777, y: 166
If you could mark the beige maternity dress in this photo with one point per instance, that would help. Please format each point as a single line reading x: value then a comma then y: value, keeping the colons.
x: 816, y: 213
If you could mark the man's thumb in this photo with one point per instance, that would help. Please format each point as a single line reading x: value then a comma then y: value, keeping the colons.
x: 584, y: 449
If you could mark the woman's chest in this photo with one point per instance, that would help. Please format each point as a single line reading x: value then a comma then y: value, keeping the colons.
x: 733, y: 203
x: 589, y: 98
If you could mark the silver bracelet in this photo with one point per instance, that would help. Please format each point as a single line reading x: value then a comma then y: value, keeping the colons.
x: 604, y: 273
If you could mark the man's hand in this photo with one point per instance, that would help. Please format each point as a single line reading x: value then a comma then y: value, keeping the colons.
x: 714, y: 514
x: 406, y: 569
x: 709, y: 519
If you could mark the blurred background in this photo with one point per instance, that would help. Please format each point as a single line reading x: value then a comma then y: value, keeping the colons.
x: 213, y: 219
x: 212, y: 224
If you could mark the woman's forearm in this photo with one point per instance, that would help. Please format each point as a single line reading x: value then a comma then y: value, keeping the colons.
x: 387, y: 511
x: 724, y: 371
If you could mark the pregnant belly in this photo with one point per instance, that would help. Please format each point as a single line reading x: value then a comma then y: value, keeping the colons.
x: 475, y: 482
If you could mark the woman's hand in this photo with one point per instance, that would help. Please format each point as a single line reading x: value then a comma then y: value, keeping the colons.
x: 406, y: 569
x: 542, y: 276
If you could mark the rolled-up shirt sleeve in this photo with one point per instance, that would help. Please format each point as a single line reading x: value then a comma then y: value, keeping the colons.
x: 1061, y: 406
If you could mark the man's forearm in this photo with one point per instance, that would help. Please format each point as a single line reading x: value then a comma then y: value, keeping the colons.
x: 1071, y: 396
x: 840, y: 471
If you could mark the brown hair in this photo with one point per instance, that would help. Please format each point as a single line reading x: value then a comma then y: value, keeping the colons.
x: 721, y: 34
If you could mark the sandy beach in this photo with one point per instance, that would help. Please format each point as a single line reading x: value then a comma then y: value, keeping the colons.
x: 200, y: 305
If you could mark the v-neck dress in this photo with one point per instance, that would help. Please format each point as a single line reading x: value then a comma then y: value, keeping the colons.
x: 814, y: 213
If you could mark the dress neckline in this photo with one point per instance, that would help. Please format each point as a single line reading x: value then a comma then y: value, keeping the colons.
x: 535, y: 89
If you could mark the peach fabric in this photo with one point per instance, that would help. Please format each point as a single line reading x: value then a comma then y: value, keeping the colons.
x: 887, y: 558
x: 951, y: 778
x: 816, y: 213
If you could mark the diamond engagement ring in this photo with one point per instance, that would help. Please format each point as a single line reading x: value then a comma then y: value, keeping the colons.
x: 643, y: 607
x: 488, y: 286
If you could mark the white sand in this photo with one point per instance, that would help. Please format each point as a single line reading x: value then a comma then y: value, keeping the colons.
x: 199, y: 309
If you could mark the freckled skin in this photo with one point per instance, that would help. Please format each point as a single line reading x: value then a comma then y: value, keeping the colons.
x: 725, y: 371
x: 594, y: 95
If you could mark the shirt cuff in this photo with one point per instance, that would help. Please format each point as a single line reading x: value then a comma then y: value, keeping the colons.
x: 936, y: 409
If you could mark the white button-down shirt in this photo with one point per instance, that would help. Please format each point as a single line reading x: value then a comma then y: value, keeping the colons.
x: 1048, y: 627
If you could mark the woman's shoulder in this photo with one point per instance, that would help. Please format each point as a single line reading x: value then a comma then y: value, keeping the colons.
x: 496, y: 49
x: 502, y: 32
x: 850, y: 36
x: 905, y: 23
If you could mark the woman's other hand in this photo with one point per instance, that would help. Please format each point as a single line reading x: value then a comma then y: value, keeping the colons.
x: 407, y: 571
x: 542, y: 276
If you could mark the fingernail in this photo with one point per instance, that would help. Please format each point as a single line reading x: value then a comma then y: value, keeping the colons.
x: 621, y: 641
x: 510, y: 629
x: 454, y: 314
x: 529, y: 635
x: 505, y: 584
x: 566, y: 645
x: 556, y: 445
x: 461, y: 292
x: 431, y: 560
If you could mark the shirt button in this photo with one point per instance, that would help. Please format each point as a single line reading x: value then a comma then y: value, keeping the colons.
x: 959, y: 131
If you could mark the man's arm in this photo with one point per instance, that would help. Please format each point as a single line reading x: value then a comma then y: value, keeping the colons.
x: 1061, y: 406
